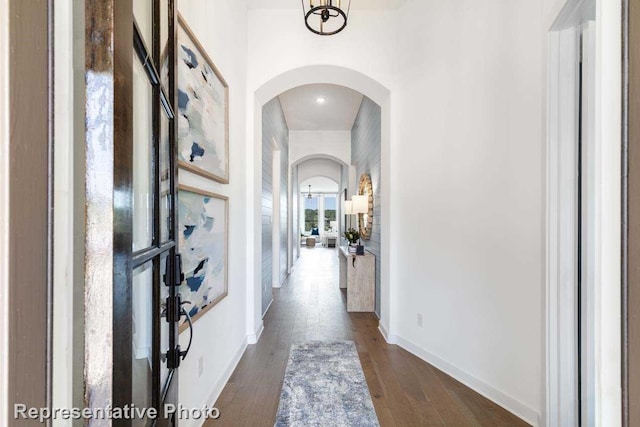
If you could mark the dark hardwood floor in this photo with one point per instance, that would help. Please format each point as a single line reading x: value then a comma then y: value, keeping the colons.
x: 406, y: 391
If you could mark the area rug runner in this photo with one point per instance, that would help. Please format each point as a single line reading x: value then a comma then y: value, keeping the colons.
x: 324, y: 386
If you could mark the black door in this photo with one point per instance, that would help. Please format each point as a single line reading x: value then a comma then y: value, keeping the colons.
x: 156, y: 270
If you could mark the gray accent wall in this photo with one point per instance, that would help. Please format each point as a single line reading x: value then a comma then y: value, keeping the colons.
x: 275, y: 136
x: 366, y: 142
x: 344, y: 185
x: 283, y: 142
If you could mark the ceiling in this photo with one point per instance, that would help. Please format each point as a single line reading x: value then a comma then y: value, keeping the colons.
x: 303, y: 112
x: 319, y: 184
x: 355, y: 4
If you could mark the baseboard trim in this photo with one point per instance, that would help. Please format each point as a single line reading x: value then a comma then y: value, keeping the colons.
x: 512, y: 405
x: 255, y: 337
x: 267, y: 310
x: 219, y: 385
x: 389, y: 338
x: 277, y: 284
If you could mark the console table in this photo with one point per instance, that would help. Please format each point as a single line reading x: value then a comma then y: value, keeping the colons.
x: 358, y: 276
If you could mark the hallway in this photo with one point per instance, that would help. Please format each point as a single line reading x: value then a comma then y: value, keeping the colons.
x: 405, y: 390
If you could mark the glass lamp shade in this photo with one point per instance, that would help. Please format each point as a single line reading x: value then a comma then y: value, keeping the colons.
x: 360, y: 204
x: 348, y: 207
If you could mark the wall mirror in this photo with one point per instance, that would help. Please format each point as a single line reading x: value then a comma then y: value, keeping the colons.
x: 365, y: 220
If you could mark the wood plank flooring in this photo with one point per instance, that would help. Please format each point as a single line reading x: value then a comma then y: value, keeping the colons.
x: 406, y: 391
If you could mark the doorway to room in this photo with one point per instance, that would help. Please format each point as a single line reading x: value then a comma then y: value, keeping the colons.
x: 317, y: 141
x: 263, y: 93
x: 319, y: 222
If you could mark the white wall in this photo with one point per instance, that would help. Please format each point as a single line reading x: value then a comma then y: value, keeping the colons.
x: 4, y: 208
x: 608, y: 140
x: 279, y: 42
x: 466, y: 133
x: 220, y: 335
x: 469, y: 125
x: 63, y: 218
x: 306, y: 143
x: 294, y: 215
x: 319, y: 167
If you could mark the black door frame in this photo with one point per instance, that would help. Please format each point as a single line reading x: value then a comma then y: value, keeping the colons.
x: 109, y: 259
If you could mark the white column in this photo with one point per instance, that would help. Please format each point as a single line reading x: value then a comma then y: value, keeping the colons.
x: 321, y: 213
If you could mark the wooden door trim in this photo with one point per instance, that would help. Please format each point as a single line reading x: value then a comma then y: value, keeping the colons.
x: 631, y: 214
x: 108, y: 140
x: 30, y: 186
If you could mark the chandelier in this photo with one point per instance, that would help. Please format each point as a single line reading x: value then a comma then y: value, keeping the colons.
x: 325, y: 17
x: 309, y: 196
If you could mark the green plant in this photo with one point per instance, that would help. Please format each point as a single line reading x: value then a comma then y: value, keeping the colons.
x: 352, y: 235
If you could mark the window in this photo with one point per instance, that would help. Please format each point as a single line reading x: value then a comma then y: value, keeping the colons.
x: 310, y: 213
x: 320, y: 211
x: 330, y: 212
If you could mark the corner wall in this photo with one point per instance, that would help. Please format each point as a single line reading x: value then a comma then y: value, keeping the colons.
x: 295, y: 215
x: 469, y: 173
x: 275, y: 136
x: 366, y: 144
x: 220, y: 336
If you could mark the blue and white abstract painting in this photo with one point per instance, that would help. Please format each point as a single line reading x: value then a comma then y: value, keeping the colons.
x: 202, y: 219
x: 202, y: 107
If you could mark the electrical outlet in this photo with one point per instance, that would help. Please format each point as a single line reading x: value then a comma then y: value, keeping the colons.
x: 200, y: 366
x: 419, y: 320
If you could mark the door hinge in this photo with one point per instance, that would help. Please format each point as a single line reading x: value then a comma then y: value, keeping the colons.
x: 178, y: 275
x: 173, y: 357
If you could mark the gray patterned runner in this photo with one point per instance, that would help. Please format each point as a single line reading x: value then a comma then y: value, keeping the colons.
x: 324, y: 386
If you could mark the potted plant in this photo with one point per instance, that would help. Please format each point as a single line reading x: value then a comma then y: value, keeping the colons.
x: 352, y: 235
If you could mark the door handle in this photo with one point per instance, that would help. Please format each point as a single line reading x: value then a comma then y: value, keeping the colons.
x: 183, y: 312
x: 175, y: 354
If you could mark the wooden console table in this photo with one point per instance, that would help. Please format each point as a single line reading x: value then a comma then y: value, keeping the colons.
x: 358, y: 276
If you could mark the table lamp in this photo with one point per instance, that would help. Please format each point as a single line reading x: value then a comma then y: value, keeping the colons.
x: 361, y: 206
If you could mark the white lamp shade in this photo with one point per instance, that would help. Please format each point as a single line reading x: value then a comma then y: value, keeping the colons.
x: 360, y: 204
x: 348, y: 207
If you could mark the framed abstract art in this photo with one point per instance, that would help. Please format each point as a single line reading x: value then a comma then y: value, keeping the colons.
x: 203, y: 236
x: 203, y: 110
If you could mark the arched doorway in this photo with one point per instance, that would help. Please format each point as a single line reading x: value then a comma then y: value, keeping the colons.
x: 266, y: 92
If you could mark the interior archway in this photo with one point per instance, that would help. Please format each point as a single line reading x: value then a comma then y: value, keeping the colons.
x: 375, y: 91
x: 319, y: 156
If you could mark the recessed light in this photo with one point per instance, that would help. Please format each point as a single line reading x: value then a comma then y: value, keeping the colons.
x: 320, y: 100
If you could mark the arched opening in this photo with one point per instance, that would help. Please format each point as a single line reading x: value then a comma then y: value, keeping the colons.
x: 318, y: 211
x: 379, y: 95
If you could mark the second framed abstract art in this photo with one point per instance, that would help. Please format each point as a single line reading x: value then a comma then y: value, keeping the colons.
x: 203, y: 240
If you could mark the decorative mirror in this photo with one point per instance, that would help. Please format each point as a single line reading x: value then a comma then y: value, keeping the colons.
x: 365, y: 220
